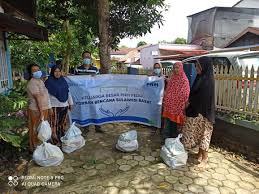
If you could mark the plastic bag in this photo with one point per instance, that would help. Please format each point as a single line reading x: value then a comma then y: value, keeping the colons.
x: 128, y: 136
x: 44, y: 131
x: 173, y: 161
x: 48, y: 155
x: 127, y: 141
x: 174, y: 145
x: 72, y: 144
x: 72, y: 132
x: 127, y: 146
x: 73, y: 140
x: 173, y: 152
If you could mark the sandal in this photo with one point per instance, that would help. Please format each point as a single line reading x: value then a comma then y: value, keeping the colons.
x: 202, y: 166
x: 199, y: 159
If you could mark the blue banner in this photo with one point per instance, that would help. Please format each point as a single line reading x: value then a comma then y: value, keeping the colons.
x: 109, y: 98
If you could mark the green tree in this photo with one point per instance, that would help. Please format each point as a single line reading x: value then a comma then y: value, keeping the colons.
x: 65, y: 41
x: 127, y: 18
x: 141, y: 43
x: 58, y: 16
x: 73, y: 26
x: 180, y: 41
x: 24, y: 51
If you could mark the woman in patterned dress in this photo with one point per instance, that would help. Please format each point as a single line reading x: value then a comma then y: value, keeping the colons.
x: 175, y: 101
x: 198, y: 127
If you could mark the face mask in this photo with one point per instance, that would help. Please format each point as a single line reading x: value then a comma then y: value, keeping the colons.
x: 37, y: 74
x: 157, y: 71
x: 87, y: 61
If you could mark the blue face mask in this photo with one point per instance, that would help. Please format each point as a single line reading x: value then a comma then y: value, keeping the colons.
x: 87, y: 61
x: 157, y: 71
x: 37, y: 74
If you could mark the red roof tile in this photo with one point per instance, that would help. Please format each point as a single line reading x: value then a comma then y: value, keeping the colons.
x: 121, y: 51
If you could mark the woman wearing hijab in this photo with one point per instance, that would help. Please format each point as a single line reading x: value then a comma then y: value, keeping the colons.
x: 198, y: 128
x: 39, y: 104
x: 157, y: 70
x: 61, y: 102
x: 175, y: 101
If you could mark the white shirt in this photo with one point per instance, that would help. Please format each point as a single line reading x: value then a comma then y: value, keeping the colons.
x: 56, y: 103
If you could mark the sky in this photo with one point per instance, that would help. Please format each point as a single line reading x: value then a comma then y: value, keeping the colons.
x: 176, y: 23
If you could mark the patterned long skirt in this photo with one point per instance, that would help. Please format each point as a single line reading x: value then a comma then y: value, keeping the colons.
x: 58, y: 123
x: 33, y: 123
x: 197, y: 132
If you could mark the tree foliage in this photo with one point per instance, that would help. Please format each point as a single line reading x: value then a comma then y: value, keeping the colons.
x: 127, y: 19
x: 24, y: 52
x: 141, y: 43
x: 180, y: 41
x: 176, y: 41
x: 10, y: 115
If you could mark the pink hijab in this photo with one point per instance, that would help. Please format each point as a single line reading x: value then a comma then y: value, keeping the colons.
x: 176, y: 95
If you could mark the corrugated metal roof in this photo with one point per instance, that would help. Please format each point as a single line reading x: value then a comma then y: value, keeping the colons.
x: 12, y: 24
x: 252, y: 30
x: 232, y: 9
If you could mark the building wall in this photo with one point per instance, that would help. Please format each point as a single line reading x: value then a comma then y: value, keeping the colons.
x: 229, y: 24
x: 148, y: 54
x: 201, y: 25
x: 217, y: 26
x: 248, y: 4
x: 246, y: 40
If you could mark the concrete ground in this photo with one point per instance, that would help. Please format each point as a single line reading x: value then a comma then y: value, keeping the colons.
x: 100, y: 168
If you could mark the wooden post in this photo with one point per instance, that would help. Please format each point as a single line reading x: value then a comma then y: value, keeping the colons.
x: 245, y: 89
x: 251, y: 90
x: 256, y: 99
x: 239, y: 89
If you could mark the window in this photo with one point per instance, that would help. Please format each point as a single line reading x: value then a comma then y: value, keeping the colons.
x: 154, y: 53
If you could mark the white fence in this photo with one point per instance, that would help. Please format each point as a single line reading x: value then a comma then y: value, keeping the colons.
x: 235, y: 91
x: 238, y: 90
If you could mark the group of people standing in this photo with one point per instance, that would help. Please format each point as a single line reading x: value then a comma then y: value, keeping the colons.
x: 190, y: 111
x: 51, y: 100
x: 47, y: 101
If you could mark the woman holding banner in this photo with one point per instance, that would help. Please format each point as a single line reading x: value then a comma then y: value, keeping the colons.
x: 157, y: 71
x: 61, y: 102
x: 175, y: 101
